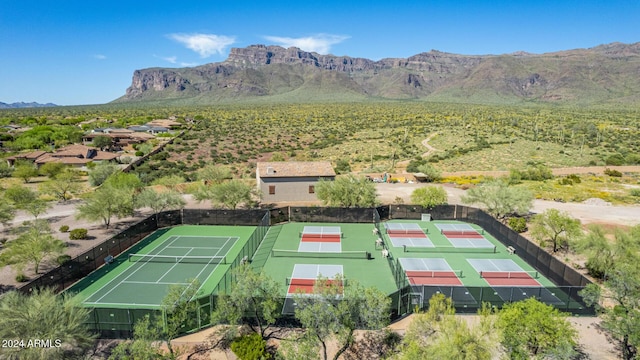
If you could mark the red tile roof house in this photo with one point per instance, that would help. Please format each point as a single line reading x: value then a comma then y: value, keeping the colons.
x: 74, y: 155
x: 291, y: 180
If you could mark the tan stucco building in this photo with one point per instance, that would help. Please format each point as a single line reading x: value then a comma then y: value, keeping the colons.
x: 291, y: 180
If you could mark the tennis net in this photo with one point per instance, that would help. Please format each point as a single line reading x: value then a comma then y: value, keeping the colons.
x: 146, y: 258
x: 461, y: 232
x: 322, y: 254
x: 510, y: 274
x: 434, y: 273
x: 407, y: 231
x: 312, y: 282
x: 321, y: 235
x: 450, y: 249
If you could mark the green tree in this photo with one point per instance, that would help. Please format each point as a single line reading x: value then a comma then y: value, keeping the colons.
x: 52, y: 169
x: 602, y: 253
x: 555, y: 227
x: 431, y: 172
x: 5, y: 170
x: 439, y: 334
x: 106, y: 202
x: 342, y: 166
x: 25, y: 171
x: 170, y: 181
x: 63, y: 185
x: 7, y: 212
x: 33, y: 246
x: 44, y: 315
x: 102, y: 142
x: 622, y: 320
x: 101, y: 172
x: 214, y: 174
x: 333, y: 312
x: 499, y: 199
x: 26, y: 199
x: 534, y: 329
x: 179, y: 307
x: 230, y: 193
x: 254, y: 296
x: 347, y: 191
x: 160, y: 200
x: 429, y: 196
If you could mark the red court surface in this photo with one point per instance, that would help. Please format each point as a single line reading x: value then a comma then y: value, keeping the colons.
x: 499, y: 278
x: 303, y: 285
x: 433, y: 278
x: 407, y: 235
x: 465, y: 236
x: 320, y: 238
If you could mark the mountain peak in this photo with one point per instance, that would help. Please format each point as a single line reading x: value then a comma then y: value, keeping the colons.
x: 269, y: 70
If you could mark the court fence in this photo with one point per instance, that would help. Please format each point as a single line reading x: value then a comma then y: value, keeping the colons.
x: 569, y: 282
x: 118, y: 323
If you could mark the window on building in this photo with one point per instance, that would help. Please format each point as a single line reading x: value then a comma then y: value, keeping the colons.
x: 312, y: 189
x: 272, y: 189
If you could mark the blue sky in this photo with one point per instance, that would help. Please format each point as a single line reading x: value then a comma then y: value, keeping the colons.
x: 84, y: 52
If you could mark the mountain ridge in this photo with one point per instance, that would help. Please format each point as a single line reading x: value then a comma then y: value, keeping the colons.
x: 603, y: 74
x: 22, y: 105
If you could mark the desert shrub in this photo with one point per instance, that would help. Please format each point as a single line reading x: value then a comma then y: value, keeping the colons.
x: 250, y: 347
x: 612, y: 172
x: 536, y: 172
x: 518, y: 224
x: 342, y: 166
x: 570, y: 180
x: 62, y: 259
x: 64, y: 228
x: 615, y: 159
x: 78, y: 234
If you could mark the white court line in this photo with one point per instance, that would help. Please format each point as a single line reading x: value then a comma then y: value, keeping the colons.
x: 125, y: 304
x: 141, y: 266
x: 174, y: 265
x: 192, y: 247
x: 203, y: 268
x: 152, y: 283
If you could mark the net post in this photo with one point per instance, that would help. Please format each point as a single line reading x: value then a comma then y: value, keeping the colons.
x: 404, y: 248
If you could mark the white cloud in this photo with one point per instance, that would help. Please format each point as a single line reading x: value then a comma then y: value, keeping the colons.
x: 99, y: 56
x: 186, y: 64
x: 170, y: 59
x: 204, y: 44
x: 320, y: 43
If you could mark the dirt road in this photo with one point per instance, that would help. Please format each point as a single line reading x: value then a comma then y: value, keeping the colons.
x: 587, y: 213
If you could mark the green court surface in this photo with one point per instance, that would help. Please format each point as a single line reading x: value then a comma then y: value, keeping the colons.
x: 457, y: 257
x: 141, y: 277
x: 376, y: 271
x: 356, y: 237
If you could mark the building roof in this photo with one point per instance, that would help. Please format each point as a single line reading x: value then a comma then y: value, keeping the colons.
x: 295, y: 169
x: 168, y: 123
x: 29, y: 156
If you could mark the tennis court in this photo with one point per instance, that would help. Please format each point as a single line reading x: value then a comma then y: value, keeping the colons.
x: 141, y: 278
x: 303, y: 280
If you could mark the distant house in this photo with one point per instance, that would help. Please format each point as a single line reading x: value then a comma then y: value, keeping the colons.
x: 292, y: 180
x: 73, y: 155
x: 166, y: 123
x: 158, y: 130
x: 139, y: 128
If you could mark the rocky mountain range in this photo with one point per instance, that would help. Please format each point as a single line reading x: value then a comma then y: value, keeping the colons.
x: 606, y: 74
x: 20, y: 105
